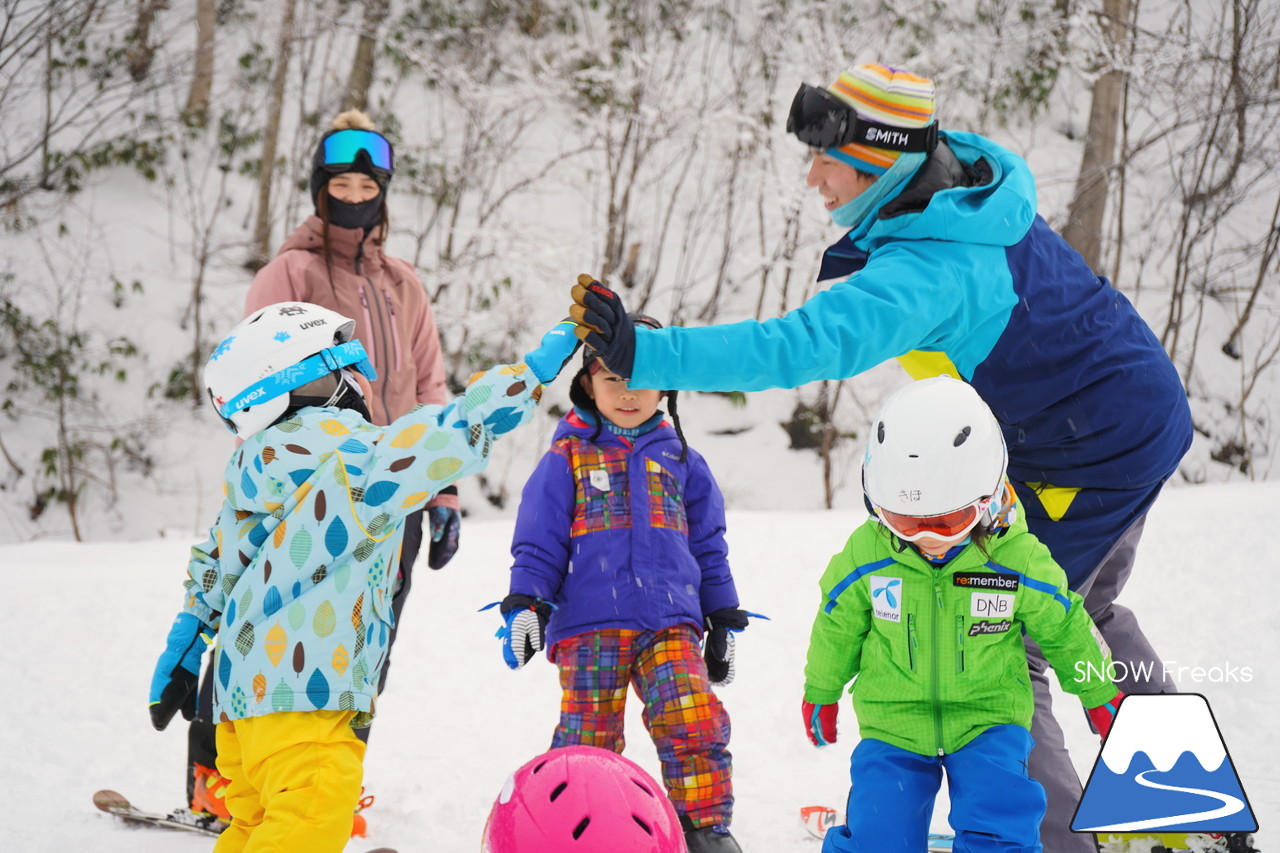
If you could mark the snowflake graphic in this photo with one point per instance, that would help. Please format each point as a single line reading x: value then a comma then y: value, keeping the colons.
x: 282, y: 336
x: 222, y: 347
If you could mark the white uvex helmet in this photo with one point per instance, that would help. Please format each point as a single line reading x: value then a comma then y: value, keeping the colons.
x: 934, y: 449
x: 273, y: 351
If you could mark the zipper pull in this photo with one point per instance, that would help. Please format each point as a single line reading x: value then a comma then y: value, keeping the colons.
x: 364, y: 300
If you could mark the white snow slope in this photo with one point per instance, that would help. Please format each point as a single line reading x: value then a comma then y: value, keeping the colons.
x: 83, y: 625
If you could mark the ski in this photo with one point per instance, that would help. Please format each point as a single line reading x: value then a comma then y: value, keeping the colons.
x: 1177, y: 842
x: 818, y: 819
x: 115, y: 803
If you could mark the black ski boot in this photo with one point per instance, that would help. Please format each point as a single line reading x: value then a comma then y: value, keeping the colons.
x: 711, y: 839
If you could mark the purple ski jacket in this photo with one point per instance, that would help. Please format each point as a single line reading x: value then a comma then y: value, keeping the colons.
x: 619, y: 534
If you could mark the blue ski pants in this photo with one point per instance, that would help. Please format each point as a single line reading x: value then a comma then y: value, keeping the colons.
x: 995, y: 806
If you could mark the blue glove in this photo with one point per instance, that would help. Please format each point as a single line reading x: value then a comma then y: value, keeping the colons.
x: 604, y: 326
x: 526, y: 630
x: 173, y: 687
x: 555, y: 350
x: 446, y: 524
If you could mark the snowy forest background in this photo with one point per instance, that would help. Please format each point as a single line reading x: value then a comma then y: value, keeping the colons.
x: 153, y: 153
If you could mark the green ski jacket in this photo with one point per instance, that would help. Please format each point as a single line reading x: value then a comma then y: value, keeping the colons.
x: 937, y: 652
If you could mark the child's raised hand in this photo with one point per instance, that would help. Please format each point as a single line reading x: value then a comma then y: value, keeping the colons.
x: 820, y: 723
x: 555, y: 350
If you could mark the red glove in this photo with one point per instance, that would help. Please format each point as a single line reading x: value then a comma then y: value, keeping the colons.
x: 1104, y: 715
x: 820, y: 723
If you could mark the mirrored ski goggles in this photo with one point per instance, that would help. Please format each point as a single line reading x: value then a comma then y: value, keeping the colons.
x: 821, y: 120
x: 949, y: 526
x: 343, y: 147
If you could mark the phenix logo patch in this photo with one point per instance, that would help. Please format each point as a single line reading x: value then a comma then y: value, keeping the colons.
x: 982, y: 626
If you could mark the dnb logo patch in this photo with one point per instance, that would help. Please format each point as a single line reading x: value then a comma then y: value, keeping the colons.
x: 1165, y: 768
x: 886, y: 598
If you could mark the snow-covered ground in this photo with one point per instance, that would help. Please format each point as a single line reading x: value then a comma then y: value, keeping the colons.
x: 83, y: 625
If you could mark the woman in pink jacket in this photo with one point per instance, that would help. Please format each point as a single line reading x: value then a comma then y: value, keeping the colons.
x: 335, y: 259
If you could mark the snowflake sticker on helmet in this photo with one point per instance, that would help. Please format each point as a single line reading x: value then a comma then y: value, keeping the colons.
x: 271, y: 352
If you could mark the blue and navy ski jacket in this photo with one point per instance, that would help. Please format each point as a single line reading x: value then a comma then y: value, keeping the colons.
x: 619, y: 534
x: 957, y: 274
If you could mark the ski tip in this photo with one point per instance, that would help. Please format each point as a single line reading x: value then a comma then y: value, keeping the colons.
x: 818, y: 819
x: 108, y: 800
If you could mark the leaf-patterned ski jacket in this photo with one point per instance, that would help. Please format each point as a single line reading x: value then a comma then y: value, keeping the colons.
x: 298, y: 571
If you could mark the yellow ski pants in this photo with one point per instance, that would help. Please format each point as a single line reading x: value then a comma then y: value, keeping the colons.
x: 294, y: 782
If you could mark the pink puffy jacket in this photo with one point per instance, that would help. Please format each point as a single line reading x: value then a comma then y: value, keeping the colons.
x: 382, y: 294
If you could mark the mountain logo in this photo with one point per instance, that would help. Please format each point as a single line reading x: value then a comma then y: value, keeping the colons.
x: 1164, y: 767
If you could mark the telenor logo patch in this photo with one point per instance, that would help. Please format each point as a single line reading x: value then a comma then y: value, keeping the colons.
x: 886, y: 598
x: 986, y: 580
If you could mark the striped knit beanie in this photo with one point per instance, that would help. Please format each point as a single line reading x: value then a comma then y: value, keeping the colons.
x: 885, y: 95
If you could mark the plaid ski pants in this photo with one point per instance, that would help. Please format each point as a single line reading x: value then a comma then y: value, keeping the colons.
x: 688, y: 724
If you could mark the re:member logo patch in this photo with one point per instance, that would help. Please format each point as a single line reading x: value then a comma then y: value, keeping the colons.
x: 991, y: 581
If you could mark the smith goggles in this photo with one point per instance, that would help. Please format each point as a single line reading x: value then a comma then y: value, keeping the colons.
x: 949, y: 526
x: 343, y: 148
x: 821, y: 120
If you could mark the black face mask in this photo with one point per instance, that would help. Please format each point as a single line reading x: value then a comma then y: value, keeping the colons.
x: 366, y: 214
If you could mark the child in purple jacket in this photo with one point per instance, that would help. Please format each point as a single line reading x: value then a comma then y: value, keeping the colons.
x: 620, y: 561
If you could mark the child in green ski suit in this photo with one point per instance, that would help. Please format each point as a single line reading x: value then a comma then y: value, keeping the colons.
x: 924, y: 611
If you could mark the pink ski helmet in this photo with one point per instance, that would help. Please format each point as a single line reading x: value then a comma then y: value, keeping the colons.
x: 581, y: 799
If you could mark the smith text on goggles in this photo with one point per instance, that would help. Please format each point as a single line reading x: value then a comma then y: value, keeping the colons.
x: 821, y: 120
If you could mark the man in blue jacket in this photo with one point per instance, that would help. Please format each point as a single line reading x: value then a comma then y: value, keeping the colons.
x: 947, y: 267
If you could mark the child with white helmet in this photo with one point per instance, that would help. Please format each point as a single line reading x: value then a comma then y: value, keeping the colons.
x: 293, y: 588
x: 925, y: 607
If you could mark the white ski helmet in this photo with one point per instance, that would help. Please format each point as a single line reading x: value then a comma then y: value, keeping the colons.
x: 935, y: 450
x: 273, y: 351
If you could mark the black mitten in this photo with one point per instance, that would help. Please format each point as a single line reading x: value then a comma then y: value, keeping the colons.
x: 721, y: 626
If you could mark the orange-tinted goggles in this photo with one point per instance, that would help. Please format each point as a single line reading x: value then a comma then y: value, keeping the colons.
x: 950, y: 525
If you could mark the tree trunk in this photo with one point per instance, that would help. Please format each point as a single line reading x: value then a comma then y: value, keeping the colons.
x: 357, y: 94
x: 197, y: 111
x: 1089, y: 206
x: 142, y: 53
x: 270, y: 135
